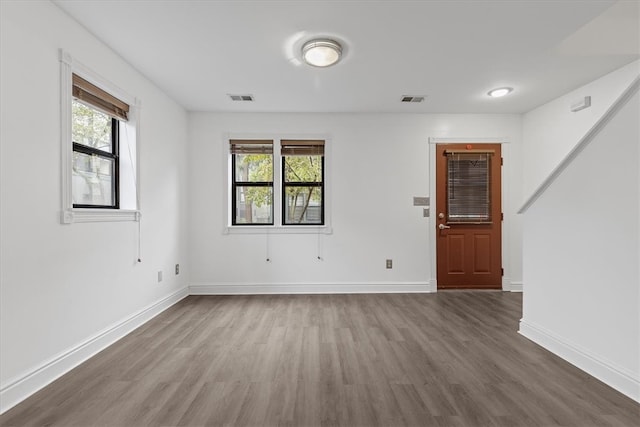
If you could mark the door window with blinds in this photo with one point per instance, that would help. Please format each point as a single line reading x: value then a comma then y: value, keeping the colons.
x: 95, y: 135
x: 469, y: 186
x: 265, y: 174
x: 302, y: 182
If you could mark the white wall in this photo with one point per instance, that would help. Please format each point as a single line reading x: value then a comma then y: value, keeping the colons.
x: 551, y: 131
x: 378, y: 162
x: 581, y: 254
x: 62, y: 285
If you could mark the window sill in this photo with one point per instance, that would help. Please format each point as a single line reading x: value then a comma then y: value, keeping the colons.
x: 282, y: 229
x: 71, y: 216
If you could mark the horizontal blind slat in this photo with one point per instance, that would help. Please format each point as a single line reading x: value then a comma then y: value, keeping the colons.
x: 468, y: 189
x: 290, y: 147
x: 251, y: 146
x: 104, y: 101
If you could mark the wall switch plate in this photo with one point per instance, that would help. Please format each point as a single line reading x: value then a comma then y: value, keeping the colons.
x: 389, y: 263
x: 177, y: 269
x: 421, y: 201
x: 425, y: 212
x: 159, y: 276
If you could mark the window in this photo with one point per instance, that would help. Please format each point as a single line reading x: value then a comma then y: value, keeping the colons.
x: 277, y: 184
x: 95, y: 134
x: 252, y: 182
x: 99, y: 135
x: 302, y: 182
x: 469, y: 187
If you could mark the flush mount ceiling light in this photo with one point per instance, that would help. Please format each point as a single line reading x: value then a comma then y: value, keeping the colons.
x: 502, y: 91
x: 321, y: 52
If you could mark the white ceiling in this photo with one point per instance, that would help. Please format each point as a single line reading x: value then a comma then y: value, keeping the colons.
x: 453, y: 52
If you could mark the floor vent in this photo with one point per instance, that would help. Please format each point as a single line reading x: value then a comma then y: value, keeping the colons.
x: 408, y: 98
x: 241, y: 97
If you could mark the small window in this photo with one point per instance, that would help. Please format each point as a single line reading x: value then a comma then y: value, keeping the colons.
x: 302, y: 182
x: 95, y: 128
x: 99, y: 136
x: 95, y: 158
x: 252, y: 182
x: 468, y: 187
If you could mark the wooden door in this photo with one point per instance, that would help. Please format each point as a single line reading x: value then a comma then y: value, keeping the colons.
x: 468, y: 216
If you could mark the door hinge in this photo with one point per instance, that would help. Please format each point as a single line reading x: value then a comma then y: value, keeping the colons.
x: 501, y: 161
x: 502, y: 216
x: 502, y: 271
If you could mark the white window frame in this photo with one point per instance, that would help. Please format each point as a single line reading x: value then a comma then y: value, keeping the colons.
x: 277, y: 227
x: 69, y: 214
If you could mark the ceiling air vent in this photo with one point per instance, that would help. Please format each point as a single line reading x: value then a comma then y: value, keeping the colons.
x: 241, y: 97
x: 409, y: 98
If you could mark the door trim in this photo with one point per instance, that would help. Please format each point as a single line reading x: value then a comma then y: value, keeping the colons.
x: 506, y: 187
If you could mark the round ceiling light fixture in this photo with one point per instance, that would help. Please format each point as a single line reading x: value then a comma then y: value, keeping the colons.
x: 321, y: 52
x: 500, y: 92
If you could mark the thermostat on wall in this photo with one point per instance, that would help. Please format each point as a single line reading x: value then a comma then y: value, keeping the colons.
x: 420, y: 201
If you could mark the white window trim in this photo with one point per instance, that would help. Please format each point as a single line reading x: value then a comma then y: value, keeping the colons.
x: 277, y: 227
x: 69, y: 214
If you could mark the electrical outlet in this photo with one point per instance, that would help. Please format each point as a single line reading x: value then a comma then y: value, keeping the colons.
x: 177, y: 269
x: 159, y: 276
x: 389, y: 263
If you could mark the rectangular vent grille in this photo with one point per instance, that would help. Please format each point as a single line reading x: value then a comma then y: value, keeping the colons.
x: 408, y: 98
x: 241, y: 97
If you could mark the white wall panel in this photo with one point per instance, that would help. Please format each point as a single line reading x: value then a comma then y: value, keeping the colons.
x: 378, y: 163
x: 581, y: 257
x: 60, y: 285
x: 551, y: 131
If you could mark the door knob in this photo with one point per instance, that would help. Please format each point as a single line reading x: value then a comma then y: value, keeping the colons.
x: 443, y: 227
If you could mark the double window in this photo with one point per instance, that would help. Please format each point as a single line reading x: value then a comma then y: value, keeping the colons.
x: 297, y: 180
x: 95, y: 132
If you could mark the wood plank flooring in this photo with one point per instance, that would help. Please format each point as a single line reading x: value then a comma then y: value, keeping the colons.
x: 445, y: 359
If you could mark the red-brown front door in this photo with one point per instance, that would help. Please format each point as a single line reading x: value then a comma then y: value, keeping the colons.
x: 468, y: 216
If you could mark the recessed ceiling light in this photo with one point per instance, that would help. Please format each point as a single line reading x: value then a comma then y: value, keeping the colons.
x: 321, y: 52
x: 502, y: 91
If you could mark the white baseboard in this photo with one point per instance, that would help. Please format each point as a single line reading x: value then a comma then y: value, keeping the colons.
x: 516, y: 287
x: 18, y: 389
x: 616, y: 377
x: 308, y: 288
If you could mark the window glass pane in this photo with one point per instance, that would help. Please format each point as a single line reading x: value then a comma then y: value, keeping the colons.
x: 303, y: 168
x: 254, y: 205
x: 254, y: 168
x: 92, y: 180
x: 303, y: 205
x: 90, y: 127
x: 468, y: 188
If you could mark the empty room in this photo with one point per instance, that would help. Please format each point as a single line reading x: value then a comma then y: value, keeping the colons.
x: 319, y: 213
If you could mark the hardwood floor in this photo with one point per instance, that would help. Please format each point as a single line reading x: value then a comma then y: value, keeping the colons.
x: 445, y: 359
